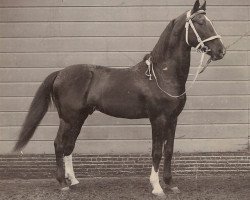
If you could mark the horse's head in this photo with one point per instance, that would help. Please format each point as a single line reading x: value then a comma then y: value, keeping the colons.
x: 200, y: 32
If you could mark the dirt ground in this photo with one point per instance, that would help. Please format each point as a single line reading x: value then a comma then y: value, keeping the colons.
x: 202, y: 188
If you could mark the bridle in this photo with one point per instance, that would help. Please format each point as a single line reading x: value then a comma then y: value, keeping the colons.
x: 201, y: 47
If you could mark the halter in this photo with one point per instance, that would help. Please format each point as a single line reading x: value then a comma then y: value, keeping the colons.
x: 201, y: 46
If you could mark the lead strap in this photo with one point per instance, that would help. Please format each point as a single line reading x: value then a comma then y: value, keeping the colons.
x: 151, y: 66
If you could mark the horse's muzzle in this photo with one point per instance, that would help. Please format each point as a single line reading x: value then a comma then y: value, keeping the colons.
x: 217, y: 55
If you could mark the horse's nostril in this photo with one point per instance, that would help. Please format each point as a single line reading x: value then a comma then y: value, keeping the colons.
x: 222, y: 52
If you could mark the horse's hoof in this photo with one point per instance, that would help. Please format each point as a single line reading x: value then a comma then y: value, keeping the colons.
x: 175, y: 190
x: 158, y: 193
x: 74, y: 182
x: 65, y: 188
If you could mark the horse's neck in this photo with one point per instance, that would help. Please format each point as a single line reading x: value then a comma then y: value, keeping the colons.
x: 176, y: 62
x: 171, y: 54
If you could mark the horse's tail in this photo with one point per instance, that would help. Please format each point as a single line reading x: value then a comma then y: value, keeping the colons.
x: 37, y: 110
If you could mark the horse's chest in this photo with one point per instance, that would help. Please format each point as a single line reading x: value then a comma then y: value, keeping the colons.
x: 169, y: 105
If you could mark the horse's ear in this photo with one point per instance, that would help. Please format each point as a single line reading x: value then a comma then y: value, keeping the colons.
x: 196, y: 7
x: 203, y: 7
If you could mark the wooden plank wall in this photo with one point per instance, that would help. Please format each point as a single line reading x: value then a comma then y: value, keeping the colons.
x: 38, y: 37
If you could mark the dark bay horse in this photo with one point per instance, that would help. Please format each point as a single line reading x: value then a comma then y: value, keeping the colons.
x: 78, y: 90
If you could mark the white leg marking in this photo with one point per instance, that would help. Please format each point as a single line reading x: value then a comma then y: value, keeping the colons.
x: 69, y: 171
x: 154, y: 180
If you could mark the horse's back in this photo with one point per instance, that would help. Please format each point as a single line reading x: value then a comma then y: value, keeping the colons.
x: 118, y: 92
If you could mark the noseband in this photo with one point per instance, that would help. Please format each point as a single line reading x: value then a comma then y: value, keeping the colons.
x: 201, y: 46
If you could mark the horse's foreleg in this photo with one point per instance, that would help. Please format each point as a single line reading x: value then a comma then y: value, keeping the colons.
x: 168, y: 153
x: 154, y: 180
x: 157, y: 144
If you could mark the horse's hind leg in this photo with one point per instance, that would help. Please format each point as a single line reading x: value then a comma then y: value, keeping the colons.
x: 69, y: 141
x: 59, y: 151
x: 69, y: 171
x: 64, y: 146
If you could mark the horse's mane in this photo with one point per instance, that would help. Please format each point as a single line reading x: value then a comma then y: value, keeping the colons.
x: 159, y: 51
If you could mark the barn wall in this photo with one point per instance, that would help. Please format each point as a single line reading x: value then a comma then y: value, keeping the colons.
x: 38, y: 37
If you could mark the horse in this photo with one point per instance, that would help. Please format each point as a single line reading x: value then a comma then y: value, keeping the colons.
x: 154, y: 89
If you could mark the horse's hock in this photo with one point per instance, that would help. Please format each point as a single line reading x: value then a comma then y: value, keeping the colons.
x: 212, y: 135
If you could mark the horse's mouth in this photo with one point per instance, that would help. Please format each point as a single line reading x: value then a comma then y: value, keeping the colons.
x: 215, y: 57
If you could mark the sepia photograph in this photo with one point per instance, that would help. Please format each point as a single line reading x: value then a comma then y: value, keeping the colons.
x: 124, y: 99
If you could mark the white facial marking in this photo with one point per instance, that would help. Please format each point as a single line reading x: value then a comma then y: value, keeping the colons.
x: 69, y: 171
x: 154, y: 180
